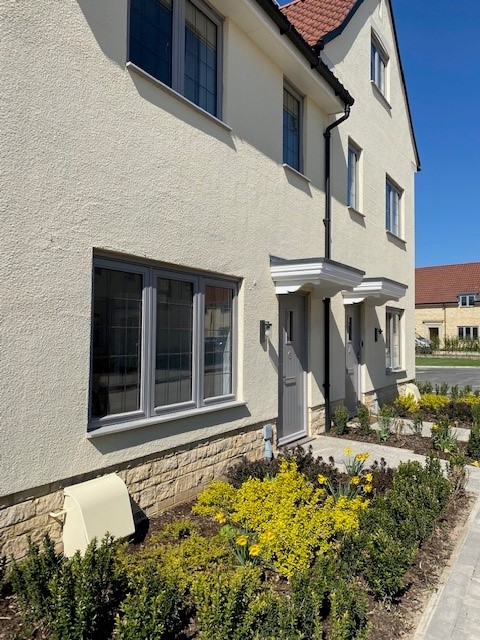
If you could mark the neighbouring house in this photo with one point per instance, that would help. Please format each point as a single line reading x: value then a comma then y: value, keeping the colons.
x: 208, y: 227
x: 447, y: 301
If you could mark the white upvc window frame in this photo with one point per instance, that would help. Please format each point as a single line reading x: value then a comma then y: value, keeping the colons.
x: 467, y: 333
x: 467, y: 300
x: 147, y: 409
x: 393, y: 207
x: 178, y: 51
x: 393, y: 338
x: 379, y: 66
x: 297, y: 96
x: 354, y: 154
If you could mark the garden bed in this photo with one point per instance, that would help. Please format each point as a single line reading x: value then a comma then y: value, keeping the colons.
x: 288, y: 548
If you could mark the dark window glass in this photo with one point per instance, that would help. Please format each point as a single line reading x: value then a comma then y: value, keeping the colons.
x: 291, y: 130
x: 174, y: 342
x: 117, y: 334
x: 200, y: 59
x: 218, y: 341
x: 151, y: 37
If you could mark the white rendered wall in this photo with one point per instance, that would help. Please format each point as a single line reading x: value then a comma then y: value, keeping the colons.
x: 383, y: 134
x: 97, y: 157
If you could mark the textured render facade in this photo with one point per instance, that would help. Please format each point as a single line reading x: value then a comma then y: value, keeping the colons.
x: 107, y: 168
x: 447, y: 301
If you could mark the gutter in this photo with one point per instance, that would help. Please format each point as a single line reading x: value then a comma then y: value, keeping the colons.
x: 287, y: 29
x: 328, y: 250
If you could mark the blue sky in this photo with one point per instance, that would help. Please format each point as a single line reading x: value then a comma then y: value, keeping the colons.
x: 439, y: 43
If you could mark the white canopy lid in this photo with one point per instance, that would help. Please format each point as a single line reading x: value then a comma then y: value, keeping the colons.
x: 329, y: 276
x: 380, y: 289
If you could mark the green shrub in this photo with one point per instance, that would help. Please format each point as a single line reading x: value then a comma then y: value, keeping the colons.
x: 154, y: 609
x: 85, y: 593
x: 229, y: 604
x: 475, y: 409
x: 423, y: 387
x: 348, y: 611
x: 363, y: 415
x: 340, y: 419
x: 30, y: 579
x: 386, y: 560
x: 473, y: 446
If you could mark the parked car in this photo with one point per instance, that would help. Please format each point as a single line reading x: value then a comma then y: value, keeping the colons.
x: 420, y: 341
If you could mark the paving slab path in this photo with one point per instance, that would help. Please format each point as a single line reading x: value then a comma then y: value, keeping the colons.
x: 453, y: 611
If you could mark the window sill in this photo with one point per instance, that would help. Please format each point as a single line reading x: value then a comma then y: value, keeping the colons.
x: 149, y: 422
x: 394, y: 236
x: 396, y: 372
x: 380, y: 96
x: 133, y: 67
x: 295, y: 172
x: 356, y: 212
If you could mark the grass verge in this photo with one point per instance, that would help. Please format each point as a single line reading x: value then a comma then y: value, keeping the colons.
x: 425, y: 361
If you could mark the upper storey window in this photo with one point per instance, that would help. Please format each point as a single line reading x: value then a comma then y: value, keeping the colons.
x: 392, y: 208
x: 466, y: 300
x: 178, y: 43
x: 292, y: 121
x: 378, y: 67
x: 353, y: 176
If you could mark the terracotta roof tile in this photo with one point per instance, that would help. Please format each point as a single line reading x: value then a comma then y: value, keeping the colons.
x: 314, y: 18
x: 445, y: 283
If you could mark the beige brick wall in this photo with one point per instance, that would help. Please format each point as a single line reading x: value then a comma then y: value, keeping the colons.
x: 154, y: 485
x: 448, y: 319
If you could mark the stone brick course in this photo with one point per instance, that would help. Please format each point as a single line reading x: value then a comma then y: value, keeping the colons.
x: 154, y: 486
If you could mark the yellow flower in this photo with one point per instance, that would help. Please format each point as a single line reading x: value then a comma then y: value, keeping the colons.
x: 241, y: 540
x: 369, y: 477
x: 220, y: 517
x: 476, y: 463
x: 322, y: 479
x: 348, y: 451
x: 268, y: 536
x: 355, y: 480
x: 368, y: 488
x: 254, y: 550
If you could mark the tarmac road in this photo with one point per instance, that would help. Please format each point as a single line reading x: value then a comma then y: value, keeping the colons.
x: 451, y: 375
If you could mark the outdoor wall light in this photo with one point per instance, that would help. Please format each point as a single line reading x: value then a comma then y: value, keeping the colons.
x: 265, y: 327
x: 378, y: 332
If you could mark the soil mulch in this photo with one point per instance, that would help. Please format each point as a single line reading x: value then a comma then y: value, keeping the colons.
x: 398, y: 620
x: 420, y: 445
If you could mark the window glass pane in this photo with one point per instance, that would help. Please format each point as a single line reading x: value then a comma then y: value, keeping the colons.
x: 392, y: 339
x: 117, y: 333
x: 218, y: 341
x: 352, y: 178
x: 291, y: 130
x: 200, y: 59
x: 151, y: 37
x: 174, y: 342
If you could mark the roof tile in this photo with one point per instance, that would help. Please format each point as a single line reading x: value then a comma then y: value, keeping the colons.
x: 446, y: 283
x: 314, y: 18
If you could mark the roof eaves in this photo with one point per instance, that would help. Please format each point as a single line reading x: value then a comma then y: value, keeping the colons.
x: 286, y: 28
x: 336, y: 32
x: 402, y: 74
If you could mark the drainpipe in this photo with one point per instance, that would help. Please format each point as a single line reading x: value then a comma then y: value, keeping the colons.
x: 328, y: 241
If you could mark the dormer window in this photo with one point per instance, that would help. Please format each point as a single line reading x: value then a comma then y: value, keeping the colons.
x: 466, y: 300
